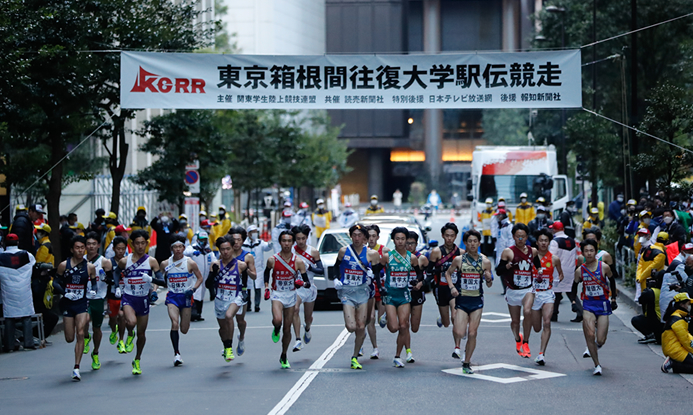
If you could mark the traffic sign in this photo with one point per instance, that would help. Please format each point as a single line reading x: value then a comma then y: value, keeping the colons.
x: 192, y: 179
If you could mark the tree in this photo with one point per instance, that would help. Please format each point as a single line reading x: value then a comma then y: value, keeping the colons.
x: 668, y: 116
x: 505, y: 127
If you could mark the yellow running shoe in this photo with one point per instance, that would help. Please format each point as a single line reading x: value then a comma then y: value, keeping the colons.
x: 130, y: 344
x: 87, y: 340
x: 113, y: 338
x: 95, y: 363
x: 136, y: 367
x: 121, y: 347
x: 355, y: 364
x: 285, y: 363
x: 228, y: 354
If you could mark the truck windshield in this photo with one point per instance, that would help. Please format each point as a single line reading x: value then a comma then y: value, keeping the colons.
x: 509, y: 187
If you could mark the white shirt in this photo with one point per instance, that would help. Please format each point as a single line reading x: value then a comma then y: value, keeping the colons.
x: 568, y: 258
x: 17, y: 300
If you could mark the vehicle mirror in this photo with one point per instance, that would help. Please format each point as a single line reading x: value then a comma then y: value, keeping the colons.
x: 469, y: 184
x: 470, y: 197
x: 428, y: 228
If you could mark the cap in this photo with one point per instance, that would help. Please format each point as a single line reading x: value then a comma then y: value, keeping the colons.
x: 120, y: 229
x: 680, y: 297
x: 183, y: 216
x: 205, y: 224
x: 202, y: 213
x: 347, y: 204
x: 557, y: 226
x: 19, y: 208
x: 687, y: 247
x: 320, y: 201
x: 252, y: 228
x: 286, y: 214
x: 663, y: 236
x: 202, y: 235
x: 631, y: 202
x: 287, y: 204
x: 142, y: 208
x: 43, y: 227
x: 523, y: 195
x: 541, y: 208
x: 374, y: 197
x: 645, y: 213
x: 111, y: 215
x: 12, y: 237
x: 643, y: 231
x: 303, y: 205
x: 38, y: 208
x: 501, y: 198
x: 541, y: 200
x: 222, y: 207
x: 214, y: 216
x: 501, y: 203
x: 594, y: 210
x: 489, y: 200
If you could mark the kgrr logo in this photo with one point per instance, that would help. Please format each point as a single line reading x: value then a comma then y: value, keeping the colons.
x: 147, y: 81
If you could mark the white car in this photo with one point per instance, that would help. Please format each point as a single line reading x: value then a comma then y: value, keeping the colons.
x: 333, y: 239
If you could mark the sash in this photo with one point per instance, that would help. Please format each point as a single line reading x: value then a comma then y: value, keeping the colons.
x: 135, y: 265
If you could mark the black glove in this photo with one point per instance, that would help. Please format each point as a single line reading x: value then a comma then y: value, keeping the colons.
x: 614, y: 306
x: 245, y: 295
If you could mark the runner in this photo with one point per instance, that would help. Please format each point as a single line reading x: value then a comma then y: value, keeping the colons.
x: 375, y: 301
x: 594, y: 276
x: 74, y: 273
x: 357, y: 264
x: 284, y: 268
x: 137, y: 292
x: 306, y: 295
x: 225, y: 279
x: 179, y: 272
x: 469, y: 293
x: 115, y: 291
x: 605, y: 257
x: 517, y: 270
x: 104, y: 272
x: 399, y: 264
x: 237, y: 235
x: 548, y: 266
x: 439, y: 261
x: 418, y: 297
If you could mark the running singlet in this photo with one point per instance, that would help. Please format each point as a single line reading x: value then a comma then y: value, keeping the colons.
x: 444, y: 263
x: 398, y: 271
x: 102, y: 287
x: 284, y: 273
x: 600, y: 255
x: 471, y: 271
x: 595, y: 286
x: 523, y: 269
x: 134, y: 276
x: 76, y: 278
x: 352, y: 271
x: 545, y: 272
x: 307, y: 258
x: 228, y: 282
x: 179, y: 279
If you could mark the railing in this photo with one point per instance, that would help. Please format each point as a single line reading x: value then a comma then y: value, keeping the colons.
x: 625, y: 257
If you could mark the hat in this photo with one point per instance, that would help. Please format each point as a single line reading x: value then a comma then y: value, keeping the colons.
x: 523, y: 195
x: 541, y: 200
x: 631, y: 202
x: 687, y: 247
x: 320, y: 201
x: 183, y: 216
x: 38, y: 209
x: 303, y: 205
x: 501, y: 203
x: 214, y: 215
x: 287, y: 204
x: 202, y: 213
x: 374, y: 197
x: 489, y: 200
x: 347, y: 204
x: 222, y: 207
x: 111, y: 215
x: 205, y: 224
x: 643, y: 231
x: 202, y: 235
x: 252, y: 228
x: 43, y: 227
x: 19, y: 208
x: 142, y: 208
x: 663, y: 236
x: 557, y: 226
x: 12, y: 237
x: 541, y: 208
x: 594, y: 210
x: 645, y: 213
x: 120, y: 229
x: 286, y: 214
x: 501, y: 198
x: 680, y: 297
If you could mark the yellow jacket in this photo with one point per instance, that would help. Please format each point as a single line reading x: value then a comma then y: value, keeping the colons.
x: 485, y: 217
x: 223, y: 226
x: 676, y: 340
x: 524, y: 213
x: 372, y: 210
x: 637, y: 245
x: 321, y: 219
x: 652, y: 258
x: 108, y: 238
x: 600, y: 207
x: 590, y: 224
x: 45, y: 252
x: 213, y: 236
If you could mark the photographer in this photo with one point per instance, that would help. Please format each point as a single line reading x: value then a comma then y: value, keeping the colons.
x: 649, y: 322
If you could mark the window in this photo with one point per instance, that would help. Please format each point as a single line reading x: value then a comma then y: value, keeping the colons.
x: 333, y: 242
x: 559, y: 188
x: 509, y: 187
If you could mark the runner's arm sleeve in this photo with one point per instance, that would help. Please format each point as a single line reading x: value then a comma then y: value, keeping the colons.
x: 612, y: 282
x: 318, y: 268
x: 58, y: 284
x: 376, y: 275
x: 209, y: 283
x: 305, y: 278
x: 267, y: 275
x: 116, y: 276
x: 335, y: 270
x: 502, y: 269
x: 159, y: 279
x: 419, y: 273
x: 244, y: 278
x: 430, y: 272
x: 109, y: 277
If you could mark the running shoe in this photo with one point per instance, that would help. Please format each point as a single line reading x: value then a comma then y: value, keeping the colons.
x: 275, y: 336
x: 361, y: 351
x: 597, y: 370
x: 285, y: 364
x: 121, y: 347
x: 228, y: 354
x: 410, y: 356
x: 136, y: 370
x: 439, y: 322
x: 525, y: 351
x: 457, y: 354
x: 375, y: 354
x: 383, y: 321
x: 586, y: 354
x: 130, y: 344
x: 666, y: 366
x: 241, y: 345
x: 177, y: 361
x: 95, y: 363
x: 398, y: 362
x: 113, y: 338
x: 540, y: 360
x: 355, y: 364
x: 467, y: 369
x: 307, y: 337
x: 298, y: 346
x: 87, y: 340
x: 75, y: 375
x: 518, y: 346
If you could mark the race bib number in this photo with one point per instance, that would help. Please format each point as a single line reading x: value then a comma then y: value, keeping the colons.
x: 594, y: 290
x: 542, y: 284
x: 522, y: 280
x: 353, y: 277
x: 470, y: 282
x: 137, y: 287
x: 399, y: 279
x: 177, y: 284
x: 74, y: 292
x: 226, y: 292
x: 284, y: 285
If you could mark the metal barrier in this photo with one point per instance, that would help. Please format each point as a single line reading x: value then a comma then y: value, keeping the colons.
x: 624, y: 258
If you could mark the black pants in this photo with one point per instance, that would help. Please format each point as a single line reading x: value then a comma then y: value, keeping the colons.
x: 10, y: 328
x: 258, y: 298
x: 683, y: 367
x: 648, y: 325
x: 572, y: 297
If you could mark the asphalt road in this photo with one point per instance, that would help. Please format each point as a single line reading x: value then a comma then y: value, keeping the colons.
x: 38, y: 382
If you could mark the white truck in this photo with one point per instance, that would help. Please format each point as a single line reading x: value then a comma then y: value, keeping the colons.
x: 508, y: 171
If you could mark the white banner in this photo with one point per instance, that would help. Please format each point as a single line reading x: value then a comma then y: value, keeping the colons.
x: 192, y: 211
x: 474, y: 80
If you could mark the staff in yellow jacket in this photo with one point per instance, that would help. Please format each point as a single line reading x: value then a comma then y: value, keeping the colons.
x: 321, y: 218
x: 525, y: 211
x: 652, y: 259
x: 44, y: 254
x: 677, y: 342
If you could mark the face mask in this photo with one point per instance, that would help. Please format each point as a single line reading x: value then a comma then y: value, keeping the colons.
x: 374, y: 202
x: 203, y: 218
x: 253, y: 236
x: 646, y: 221
x: 183, y: 223
x: 687, y: 307
x: 164, y: 219
x: 321, y: 206
x: 668, y: 219
x: 642, y: 239
x: 523, y: 199
x: 620, y: 199
x: 623, y: 211
x: 571, y: 209
x: 489, y: 206
x: 504, y: 221
x: 540, y: 216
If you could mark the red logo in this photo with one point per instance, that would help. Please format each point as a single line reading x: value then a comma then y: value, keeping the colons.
x: 147, y: 81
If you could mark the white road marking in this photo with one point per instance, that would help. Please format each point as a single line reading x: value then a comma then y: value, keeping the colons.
x: 300, y: 386
x: 535, y: 373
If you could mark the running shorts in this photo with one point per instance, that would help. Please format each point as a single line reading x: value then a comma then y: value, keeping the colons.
x: 543, y: 297
x: 354, y: 296
x: 469, y: 304
x: 417, y: 297
x: 287, y: 298
x: 139, y: 304
x: 397, y: 297
x: 597, y: 307
x: 72, y: 308
x: 221, y: 306
x: 515, y: 297
x: 113, y: 307
x: 443, y: 295
x: 308, y: 295
x: 96, y: 311
x: 178, y: 299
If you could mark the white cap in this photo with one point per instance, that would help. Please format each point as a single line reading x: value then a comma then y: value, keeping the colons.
x: 320, y: 201
x: 252, y: 228
x: 203, y: 235
x: 222, y: 207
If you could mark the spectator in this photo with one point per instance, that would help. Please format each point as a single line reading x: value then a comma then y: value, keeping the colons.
x: 502, y: 205
x: 540, y: 221
x: 397, y: 199
x: 99, y: 223
x: 16, y: 267
x: 592, y: 220
x: 66, y: 233
x: 165, y: 229
x: 487, y: 217
x: 36, y: 213
x: 566, y: 249
x: 628, y: 225
x: 109, y: 233
x: 567, y: 220
x: 121, y: 231
x: 672, y: 227
x: 321, y: 218
x: 434, y: 199
x: 347, y: 218
x: 140, y: 221
x: 617, y: 208
x: 675, y: 277
x: 44, y: 254
x: 677, y: 341
x: 652, y: 259
x: 525, y: 211
x: 649, y: 322
x: 24, y: 229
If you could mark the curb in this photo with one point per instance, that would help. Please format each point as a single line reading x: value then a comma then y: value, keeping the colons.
x: 627, y: 296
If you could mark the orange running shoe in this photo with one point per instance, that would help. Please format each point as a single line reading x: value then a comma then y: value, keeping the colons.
x: 525, y: 351
x: 518, y: 346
